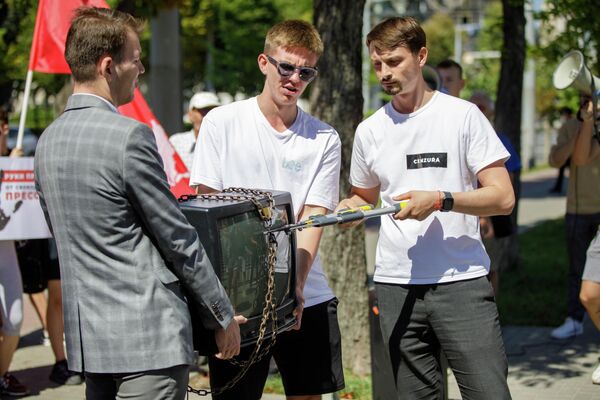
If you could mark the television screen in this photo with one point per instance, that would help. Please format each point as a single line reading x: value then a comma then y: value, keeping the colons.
x: 233, y: 235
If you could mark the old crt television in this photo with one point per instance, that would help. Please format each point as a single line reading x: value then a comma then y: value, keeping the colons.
x: 233, y: 235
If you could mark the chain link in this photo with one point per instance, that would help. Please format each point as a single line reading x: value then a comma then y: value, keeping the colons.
x: 269, y: 311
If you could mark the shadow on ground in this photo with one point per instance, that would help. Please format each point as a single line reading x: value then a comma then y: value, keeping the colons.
x: 33, y: 338
x: 540, y: 187
x: 537, y: 360
x: 36, y: 379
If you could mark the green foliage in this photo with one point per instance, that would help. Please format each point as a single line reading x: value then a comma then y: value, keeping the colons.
x: 230, y: 33
x: 549, y: 100
x: 566, y: 25
x: 15, y: 19
x: 571, y: 24
x: 535, y: 294
x: 221, y: 40
x: 294, y: 9
x: 483, y: 74
x: 439, y: 29
x: 239, y: 38
x: 16, y: 33
x: 143, y: 8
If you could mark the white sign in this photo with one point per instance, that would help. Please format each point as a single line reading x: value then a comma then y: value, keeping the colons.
x: 21, y: 216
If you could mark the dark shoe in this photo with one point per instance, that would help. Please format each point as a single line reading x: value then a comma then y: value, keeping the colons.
x: 60, y: 374
x: 10, y: 386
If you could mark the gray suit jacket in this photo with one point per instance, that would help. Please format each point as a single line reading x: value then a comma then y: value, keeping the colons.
x: 124, y: 246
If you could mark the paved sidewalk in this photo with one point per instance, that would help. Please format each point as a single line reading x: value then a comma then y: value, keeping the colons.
x: 536, y: 203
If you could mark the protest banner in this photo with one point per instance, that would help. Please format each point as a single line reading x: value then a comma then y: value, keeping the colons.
x: 21, y: 215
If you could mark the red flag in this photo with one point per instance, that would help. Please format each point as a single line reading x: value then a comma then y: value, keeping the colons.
x: 51, y: 26
x: 47, y: 55
x: 177, y: 174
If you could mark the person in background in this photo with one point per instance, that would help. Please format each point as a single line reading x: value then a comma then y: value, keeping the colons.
x: 431, y: 269
x: 185, y: 142
x: 452, y: 77
x: 496, y: 229
x: 39, y: 269
x: 566, y: 114
x: 587, y: 149
x: 38, y: 264
x: 581, y: 220
x: 11, y: 293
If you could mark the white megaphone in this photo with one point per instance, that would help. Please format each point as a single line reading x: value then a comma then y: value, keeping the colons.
x: 572, y: 72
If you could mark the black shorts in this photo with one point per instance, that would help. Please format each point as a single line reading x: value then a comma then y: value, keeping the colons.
x: 53, y: 270
x: 37, y: 264
x: 309, y: 360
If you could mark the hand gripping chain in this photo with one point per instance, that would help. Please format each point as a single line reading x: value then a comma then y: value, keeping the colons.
x: 269, y: 311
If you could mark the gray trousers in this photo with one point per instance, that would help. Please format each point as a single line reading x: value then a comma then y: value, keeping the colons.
x: 165, y: 384
x: 458, y: 318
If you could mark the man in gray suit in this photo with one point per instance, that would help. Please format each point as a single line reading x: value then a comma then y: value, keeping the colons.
x: 124, y: 245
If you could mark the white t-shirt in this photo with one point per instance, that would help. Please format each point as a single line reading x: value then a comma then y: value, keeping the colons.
x: 184, y: 143
x: 441, y: 146
x: 237, y: 147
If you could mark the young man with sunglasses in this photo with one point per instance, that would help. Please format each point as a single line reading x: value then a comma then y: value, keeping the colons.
x: 431, y: 268
x: 268, y: 142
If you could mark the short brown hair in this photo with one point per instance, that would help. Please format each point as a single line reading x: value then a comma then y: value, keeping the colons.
x: 96, y: 32
x: 294, y: 33
x: 397, y: 32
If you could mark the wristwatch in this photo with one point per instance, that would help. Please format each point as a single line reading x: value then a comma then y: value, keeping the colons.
x: 447, y: 202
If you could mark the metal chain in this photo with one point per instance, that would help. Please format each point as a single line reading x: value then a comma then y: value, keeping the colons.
x: 269, y: 310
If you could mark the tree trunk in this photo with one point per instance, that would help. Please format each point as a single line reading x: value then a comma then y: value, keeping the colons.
x: 336, y: 98
x: 165, y: 70
x: 510, y: 90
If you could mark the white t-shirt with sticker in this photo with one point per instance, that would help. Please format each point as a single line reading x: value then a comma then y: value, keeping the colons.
x: 237, y: 147
x: 441, y: 146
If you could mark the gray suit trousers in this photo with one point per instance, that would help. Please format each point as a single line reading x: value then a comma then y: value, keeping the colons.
x: 165, y: 384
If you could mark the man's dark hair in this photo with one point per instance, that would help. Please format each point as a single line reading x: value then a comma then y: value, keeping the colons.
x: 397, y: 32
x: 448, y: 63
x: 94, y: 33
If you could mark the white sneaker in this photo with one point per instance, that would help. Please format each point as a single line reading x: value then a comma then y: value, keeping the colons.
x: 46, y: 339
x: 596, y: 376
x: 570, y: 328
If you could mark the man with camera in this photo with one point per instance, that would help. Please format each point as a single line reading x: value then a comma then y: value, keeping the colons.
x: 582, y: 218
x: 587, y: 149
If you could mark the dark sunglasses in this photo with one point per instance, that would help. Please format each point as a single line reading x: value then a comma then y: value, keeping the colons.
x: 306, y: 74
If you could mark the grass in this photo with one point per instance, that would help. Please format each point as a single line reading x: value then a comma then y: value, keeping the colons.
x: 535, y: 294
x: 357, y: 388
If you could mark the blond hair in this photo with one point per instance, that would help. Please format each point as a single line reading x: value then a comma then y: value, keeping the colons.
x: 294, y: 33
x: 397, y: 32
